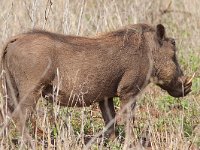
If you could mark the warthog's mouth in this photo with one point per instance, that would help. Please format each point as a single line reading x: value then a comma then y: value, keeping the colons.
x: 181, y: 87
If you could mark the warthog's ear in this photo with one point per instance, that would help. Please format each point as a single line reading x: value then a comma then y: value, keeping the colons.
x: 160, y: 31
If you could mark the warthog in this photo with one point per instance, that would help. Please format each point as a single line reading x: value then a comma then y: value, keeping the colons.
x: 88, y: 70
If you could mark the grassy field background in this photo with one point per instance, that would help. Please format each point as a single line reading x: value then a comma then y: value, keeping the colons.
x: 164, y: 122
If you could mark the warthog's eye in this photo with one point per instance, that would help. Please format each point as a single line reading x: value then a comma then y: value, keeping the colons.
x: 173, y: 42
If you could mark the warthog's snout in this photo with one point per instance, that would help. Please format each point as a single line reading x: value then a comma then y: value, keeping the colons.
x: 181, y: 87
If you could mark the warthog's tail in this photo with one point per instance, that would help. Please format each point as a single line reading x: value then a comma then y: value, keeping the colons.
x: 8, y: 86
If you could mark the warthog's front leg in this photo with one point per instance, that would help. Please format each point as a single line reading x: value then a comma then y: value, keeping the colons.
x: 108, y: 113
x: 129, y: 86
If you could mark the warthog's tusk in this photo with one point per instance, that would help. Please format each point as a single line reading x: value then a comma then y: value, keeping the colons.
x: 190, y: 80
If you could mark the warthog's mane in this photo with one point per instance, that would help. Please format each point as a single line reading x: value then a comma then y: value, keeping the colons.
x: 130, y: 29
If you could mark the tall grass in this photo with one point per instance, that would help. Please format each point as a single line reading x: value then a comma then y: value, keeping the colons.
x: 162, y: 122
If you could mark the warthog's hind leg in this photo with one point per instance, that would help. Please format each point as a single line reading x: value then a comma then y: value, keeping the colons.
x: 26, y: 105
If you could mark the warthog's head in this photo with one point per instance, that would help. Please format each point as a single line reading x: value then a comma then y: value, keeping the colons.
x: 166, y: 69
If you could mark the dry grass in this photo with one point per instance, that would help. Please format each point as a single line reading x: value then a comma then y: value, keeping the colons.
x: 166, y: 122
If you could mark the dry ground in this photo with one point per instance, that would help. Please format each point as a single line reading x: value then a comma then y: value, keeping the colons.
x: 168, y: 123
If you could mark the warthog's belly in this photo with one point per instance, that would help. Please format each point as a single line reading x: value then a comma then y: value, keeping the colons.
x: 79, y: 95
